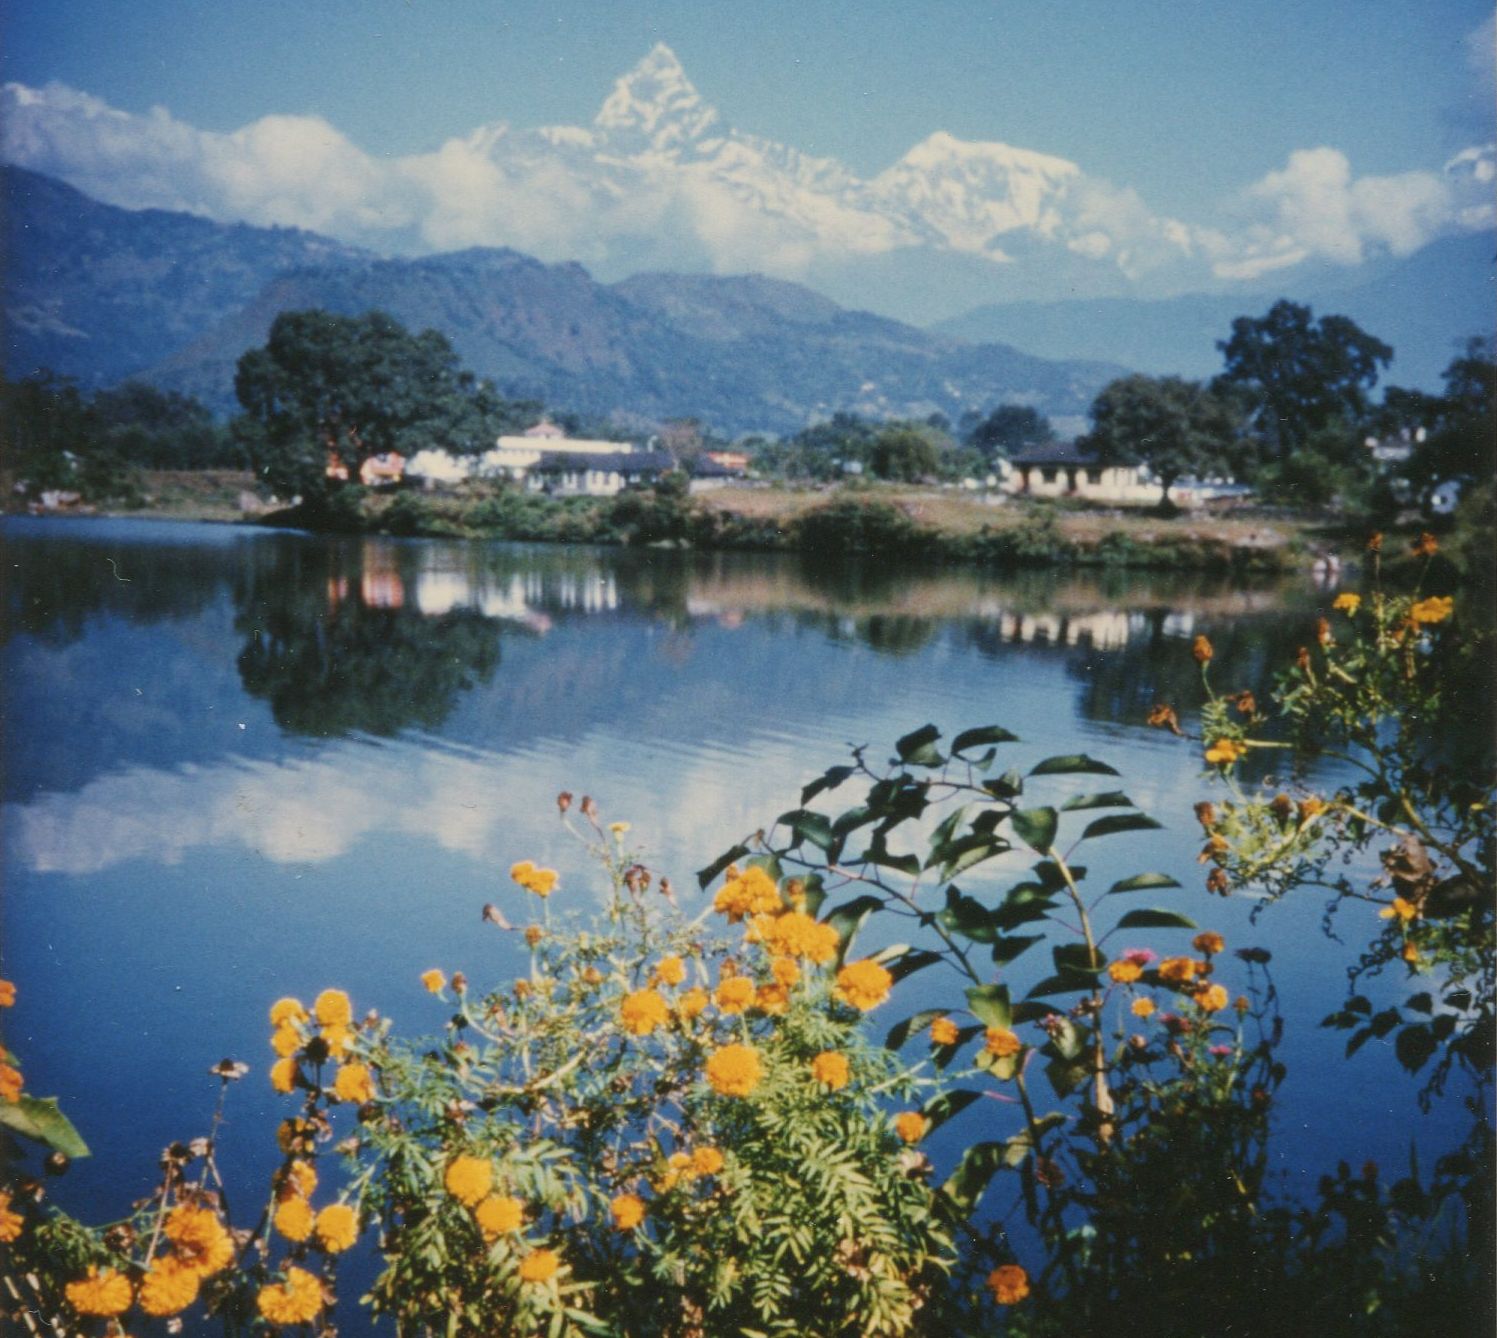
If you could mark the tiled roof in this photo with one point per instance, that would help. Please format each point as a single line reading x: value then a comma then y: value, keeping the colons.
x: 635, y: 462
x: 1055, y: 453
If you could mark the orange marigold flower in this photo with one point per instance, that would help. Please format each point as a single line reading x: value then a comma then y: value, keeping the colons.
x: 943, y: 1031
x: 468, y: 1179
x: 10, y: 1222
x: 1323, y: 631
x: 1125, y: 972
x: 539, y: 1265
x: 285, y: 1041
x: 863, y: 984
x: 772, y: 999
x: 354, y: 1084
x: 283, y: 1075
x: 293, y: 1218
x: 1216, y: 848
x: 298, y: 1178
x: 338, y: 1039
x: 1208, y: 942
x: 7, y: 993
x: 706, y: 1161
x: 1435, y: 609
x: 169, y: 1287
x: 1312, y: 806
x: 11, y: 1083
x: 1348, y: 602
x: 103, y: 1292
x: 285, y: 1012
x: 796, y: 934
x: 1178, y: 970
x: 1375, y: 542
x: 498, y: 1215
x: 1002, y: 1042
x: 1009, y: 1284
x: 752, y: 892
x: 1217, y: 882
x: 1205, y: 812
x: 543, y: 882
x: 628, y: 1211
x: 910, y: 1125
x: 434, y: 980
x: 1213, y: 998
x: 202, y: 1242
x: 1401, y: 909
x: 734, y: 1070
x: 785, y: 971
x: 534, y: 934
x: 1224, y: 752
x: 522, y: 870
x: 692, y: 1002
x: 644, y: 1010
x: 1410, y: 953
x: 1200, y: 648
x: 333, y: 1009
x: 1142, y: 1007
x: 336, y: 1228
x: 830, y: 1069
x: 735, y: 994
x: 1426, y: 545
x: 295, y: 1301
x: 670, y: 970
x: 1164, y: 717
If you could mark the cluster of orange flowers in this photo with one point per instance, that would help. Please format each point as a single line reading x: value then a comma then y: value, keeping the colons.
x: 1188, y: 975
x: 294, y: 1038
x: 470, y: 1180
x: 11, y: 1082
x: 200, y: 1247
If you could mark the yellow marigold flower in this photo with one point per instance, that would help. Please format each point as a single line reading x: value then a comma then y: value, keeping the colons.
x: 468, y: 1179
x: 1125, y: 972
x: 10, y: 1222
x: 863, y: 984
x: 1347, y: 603
x: 628, y: 1211
x: 752, y: 892
x: 693, y: 1002
x: 1224, y: 752
x: 943, y: 1031
x: 336, y: 1228
x: 338, y: 1039
x: 910, y: 1125
x: 284, y: 1041
x: 295, y: 1301
x: 283, y: 1075
x: 642, y: 1011
x: 1410, y: 953
x: 285, y: 1012
x: 298, y: 1178
x: 785, y: 971
x: 103, y: 1292
x: 542, y: 882
x: 201, y: 1240
x: 618, y: 828
x: 1178, y: 970
x: 1009, y: 1284
x: 1311, y: 806
x: 434, y: 980
x: 1142, y: 1007
x: 1002, y: 1042
x: 706, y: 1161
x: 1401, y: 909
x: 830, y: 1069
x: 735, y: 994
x: 772, y: 999
x: 522, y: 871
x: 1435, y: 609
x: 796, y: 934
x: 294, y: 1135
x: 333, y: 1009
x: 7, y: 993
x: 1213, y: 998
x: 169, y: 1287
x: 498, y: 1215
x: 734, y: 1070
x: 539, y: 1265
x: 11, y: 1083
x: 354, y: 1084
x: 670, y: 970
x: 1208, y: 943
x: 293, y: 1218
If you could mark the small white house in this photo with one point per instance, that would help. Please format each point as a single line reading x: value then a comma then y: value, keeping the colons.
x: 596, y: 475
x: 1063, y: 469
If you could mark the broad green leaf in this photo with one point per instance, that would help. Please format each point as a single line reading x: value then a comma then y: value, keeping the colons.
x: 1010, y: 948
x: 1414, y: 1046
x: 1073, y: 764
x: 1066, y: 1075
x: 941, y: 1108
x: 966, y: 916
x: 983, y: 734
x: 990, y: 1005
x: 807, y: 825
x: 963, y: 854
x: 1007, y: 786
x: 1104, y: 799
x: 1141, y: 882
x: 1036, y: 827
x: 908, y: 962
x: 1077, y: 957
x: 1065, y: 983
x: 852, y: 819
x: 1119, y: 822
x: 1053, y: 880
x: 901, y: 1032
x: 829, y: 779
x: 905, y: 864
x: 1154, y: 918
x: 1021, y: 1144
x: 918, y: 748
x: 814, y: 893
x: 705, y: 876
x: 979, y: 1164
x: 38, y: 1118
x: 1065, y: 1038
x: 769, y: 863
x: 848, y: 918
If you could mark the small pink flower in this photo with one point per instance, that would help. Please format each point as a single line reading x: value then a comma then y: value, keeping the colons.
x: 1221, y: 1051
x: 1139, y: 956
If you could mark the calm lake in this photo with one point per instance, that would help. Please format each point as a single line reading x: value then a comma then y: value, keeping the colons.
x: 243, y: 763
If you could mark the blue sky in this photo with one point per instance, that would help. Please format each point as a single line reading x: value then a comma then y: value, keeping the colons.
x: 1195, y: 108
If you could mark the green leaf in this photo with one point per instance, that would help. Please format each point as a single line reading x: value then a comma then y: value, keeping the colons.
x: 806, y: 825
x: 1072, y: 764
x: 1104, y: 799
x: 1414, y: 1046
x: 919, y: 747
x: 1007, y: 786
x: 990, y: 1005
x: 966, y: 916
x: 983, y: 734
x: 829, y: 779
x: 705, y: 876
x: 1010, y: 948
x: 1065, y: 983
x: 908, y: 962
x: 1154, y: 918
x: 1077, y: 957
x: 945, y: 1106
x: 38, y: 1118
x: 1141, y: 882
x: 877, y: 853
x: 848, y: 918
x: 1119, y: 822
x: 814, y: 892
x: 1036, y: 827
x: 963, y: 854
x: 901, y: 1032
x: 1021, y: 1144
x: 979, y: 1164
x: 1066, y: 1075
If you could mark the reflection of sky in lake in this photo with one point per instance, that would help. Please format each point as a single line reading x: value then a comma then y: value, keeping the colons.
x: 243, y: 765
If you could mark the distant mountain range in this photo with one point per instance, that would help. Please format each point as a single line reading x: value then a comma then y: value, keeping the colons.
x: 102, y: 294
x: 1422, y: 306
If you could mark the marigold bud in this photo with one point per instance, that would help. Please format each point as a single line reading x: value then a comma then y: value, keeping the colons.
x: 1201, y: 649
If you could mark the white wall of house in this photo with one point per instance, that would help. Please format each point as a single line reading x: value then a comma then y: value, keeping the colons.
x: 1117, y: 483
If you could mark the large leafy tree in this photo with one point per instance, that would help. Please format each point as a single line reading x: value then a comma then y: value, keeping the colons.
x: 1461, y: 441
x: 1010, y: 429
x: 1174, y: 426
x: 354, y: 386
x: 1301, y: 374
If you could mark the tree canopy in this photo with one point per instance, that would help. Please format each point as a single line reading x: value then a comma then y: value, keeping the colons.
x: 1010, y: 429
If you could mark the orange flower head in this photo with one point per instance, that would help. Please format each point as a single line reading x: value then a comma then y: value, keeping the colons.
x: 539, y: 1266
x: 863, y: 984
x: 293, y: 1218
x: 1125, y: 972
x: 295, y: 1301
x: 706, y: 1161
x: 1002, y: 1042
x: 830, y: 1069
x: 336, y: 1228
x: 1348, y: 602
x: 333, y: 1008
x: 943, y: 1031
x: 1142, y: 1007
x: 1435, y: 609
x: 1201, y: 650
x: 670, y: 971
x: 169, y: 1287
x: 910, y: 1126
x: 734, y: 1070
x: 1208, y: 943
x: 354, y: 1084
x: 1009, y: 1284
x: 628, y: 1211
x: 498, y: 1215
x: 1425, y: 546
x: 735, y: 994
x: 434, y: 980
x: 468, y: 1179
x: 1213, y: 998
x: 104, y: 1292
x: 644, y: 1010
x: 752, y: 892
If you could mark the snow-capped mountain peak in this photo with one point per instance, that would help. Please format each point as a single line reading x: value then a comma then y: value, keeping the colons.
x: 655, y: 107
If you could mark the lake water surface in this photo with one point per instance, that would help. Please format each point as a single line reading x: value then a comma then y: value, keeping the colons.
x: 245, y: 763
